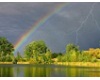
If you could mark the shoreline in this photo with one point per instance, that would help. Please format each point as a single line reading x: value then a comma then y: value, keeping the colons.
x: 79, y: 64
x: 76, y: 64
x: 12, y: 63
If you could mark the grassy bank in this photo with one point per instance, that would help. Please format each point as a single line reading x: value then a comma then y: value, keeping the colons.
x: 12, y: 63
x: 23, y: 63
x: 79, y: 64
x: 6, y: 63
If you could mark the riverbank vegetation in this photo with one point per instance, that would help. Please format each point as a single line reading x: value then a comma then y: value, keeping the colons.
x: 37, y: 52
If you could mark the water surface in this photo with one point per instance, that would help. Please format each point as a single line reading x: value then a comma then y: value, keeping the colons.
x: 39, y: 70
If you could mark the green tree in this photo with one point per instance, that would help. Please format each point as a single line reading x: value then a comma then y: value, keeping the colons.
x: 19, y: 57
x: 59, y: 58
x: 54, y: 55
x: 80, y: 57
x: 39, y: 47
x: 73, y: 57
x: 70, y: 47
x: 35, y: 55
x: 48, y: 56
x: 86, y: 57
x: 72, y: 52
x: 8, y: 58
x: 5, y: 46
x: 6, y: 49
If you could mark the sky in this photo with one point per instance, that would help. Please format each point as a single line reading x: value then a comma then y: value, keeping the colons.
x: 77, y: 23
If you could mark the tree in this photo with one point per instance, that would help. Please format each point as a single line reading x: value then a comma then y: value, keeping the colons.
x: 35, y: 55
x: 80, y: 57
x: 48, y: 56
x: 73, y: 57
x: 39, y: 47
x: 54, y: 55
x: 8, y: 58
x: 72, y: 52
x: 59, y: 58
x: 70, y: 47
x: 19, y: 57
x: 6, y: 48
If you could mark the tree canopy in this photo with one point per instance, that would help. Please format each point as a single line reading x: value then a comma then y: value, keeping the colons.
x: 5, y: 46
x: 6, y: 49
x: 35, y: 47
x: 70, y: 47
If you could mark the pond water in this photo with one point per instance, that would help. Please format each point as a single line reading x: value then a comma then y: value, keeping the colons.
x: 16, y: 70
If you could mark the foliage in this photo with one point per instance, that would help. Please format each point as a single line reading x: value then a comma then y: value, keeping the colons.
x: 48, y: 56
x: 8, y: 58
x: 37, y: 52
x: 64, y: 58
x: 5, y: 46
x: 70, y: 47
x: 94, y: 59
x: 35, y: 55
x: 60, y: 54
x: 6, y: 49
x: 59, y: 58
x: 54, y: 55
x: 80, y: 57
x: 88, y: 57
x: 36, y: 46
x: 32, y: 60
x: 19, y: 57
x: 72, y: 53
x: 15, y: 60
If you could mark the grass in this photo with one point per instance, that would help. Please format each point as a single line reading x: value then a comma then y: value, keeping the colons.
x: 78, y: 64
x: 12, y: 62
x: 6, y: 63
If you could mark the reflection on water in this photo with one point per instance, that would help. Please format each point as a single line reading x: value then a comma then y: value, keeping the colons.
x: 47, y: 71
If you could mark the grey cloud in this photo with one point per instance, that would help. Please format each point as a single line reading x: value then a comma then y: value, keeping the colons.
x: 57, y: 31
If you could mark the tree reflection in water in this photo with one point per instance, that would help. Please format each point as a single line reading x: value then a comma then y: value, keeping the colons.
x: 47, y: 71
x: 6, y: 72
x: 37, y: 71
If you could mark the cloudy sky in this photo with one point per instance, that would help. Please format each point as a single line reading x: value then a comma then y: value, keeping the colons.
x: 77, y: 23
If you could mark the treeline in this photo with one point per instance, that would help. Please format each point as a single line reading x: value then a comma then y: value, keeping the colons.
x: 73, y: 54
x: 38, y: 52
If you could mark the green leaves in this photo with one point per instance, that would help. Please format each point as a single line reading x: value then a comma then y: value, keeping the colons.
x: 70, y: 47
x: 72, y: 52
x: 38, y: 51
x: 6, y: 49
x: 35, y: 47
x: 5, y: 46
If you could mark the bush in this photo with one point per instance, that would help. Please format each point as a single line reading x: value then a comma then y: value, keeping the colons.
x: 24, y: 59
x: 15, y: 61
x: 31, y: 61
x: 64, y: 58
x: 54, y: 55
x: 93, y: 59
x: 8, y: 58
x: 59, y: 58
x: 2, y: 59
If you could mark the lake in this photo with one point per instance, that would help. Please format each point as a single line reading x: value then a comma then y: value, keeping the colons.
x: 39, y: 70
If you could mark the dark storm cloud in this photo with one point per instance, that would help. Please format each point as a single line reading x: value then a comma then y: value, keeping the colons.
x: 58, y: 30
x: 17, y: 18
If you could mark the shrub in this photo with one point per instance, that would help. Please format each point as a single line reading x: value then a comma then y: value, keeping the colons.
x: 93, y: 59
x: 14, y: 61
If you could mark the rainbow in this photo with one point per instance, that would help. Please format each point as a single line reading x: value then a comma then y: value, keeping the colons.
x: 36, y: 25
